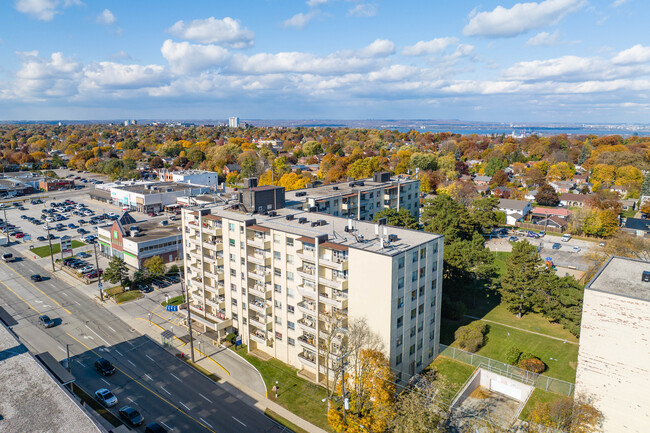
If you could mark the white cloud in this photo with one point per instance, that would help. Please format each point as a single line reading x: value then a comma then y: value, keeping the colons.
x: 552, y: 68
x: 429, y: 47
x: 38, y: 77
x: 636, y: 54
x: 106, y: 18
x: 300, y: 20
x: 379, y: 48
x: 314, y: 3
x: 44, y: 10
x: 121, y: 55
x: 544, y: 39
x: 227, y: 32
x: 618, y: 3
x: 185, y: 58
x: 363, y: 10
x: 520, y: 18
x: 109, y: 75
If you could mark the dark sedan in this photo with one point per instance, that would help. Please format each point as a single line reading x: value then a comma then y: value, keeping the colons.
x: 131, y: 416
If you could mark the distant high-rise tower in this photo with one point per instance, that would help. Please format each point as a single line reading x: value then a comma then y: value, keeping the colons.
x: 233, y: 122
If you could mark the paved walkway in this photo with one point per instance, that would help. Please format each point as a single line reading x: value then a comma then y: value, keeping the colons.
x: 521, y: 329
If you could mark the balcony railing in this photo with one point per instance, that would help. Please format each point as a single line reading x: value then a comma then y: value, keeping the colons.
x: 258, y: 336
x: 338, y: 299
x: 307, y: 325
x: 259, y: 290
x: 307, y: 358
x: 307, y: 341
x: 307, y: 291
x: 307, y: 307
x: 259, y: 321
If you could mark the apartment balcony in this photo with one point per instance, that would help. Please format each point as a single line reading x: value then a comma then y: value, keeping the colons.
x: 307, y: 255
x: 338, y: 284
x: 307, y: 358
x: 263, y: 277
x: 332, y: 263
x: 195, y: 254
x: 219, y: 317
x: 260, y: 290
x: 261, y: 243
x: 258, y: 336
x: 308, y: 273
x: 209, y: 258
x: 259, y: 321
x: 309, y: 292
x: 259, y: 306
x: 213, y: 245
x: 217, y: 303
x: 259, y: 259
x: 337, y: 299
x: 307, y: 325
x: 216, y: 291
x: 307, y: 341
x: 307, y: 307
x: 211, y: 275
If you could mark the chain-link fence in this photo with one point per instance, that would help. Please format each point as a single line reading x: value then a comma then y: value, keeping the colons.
x: 540, y: 381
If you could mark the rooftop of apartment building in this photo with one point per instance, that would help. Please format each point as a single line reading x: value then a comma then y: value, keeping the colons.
x: 341, y: 188
x: 31, y: 399
x: 312, y: 224
x: 622, y: 276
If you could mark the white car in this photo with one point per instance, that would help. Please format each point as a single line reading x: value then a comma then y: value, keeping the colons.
x: 576, y: 249
x: 86, y: 269
x: 105, y: 397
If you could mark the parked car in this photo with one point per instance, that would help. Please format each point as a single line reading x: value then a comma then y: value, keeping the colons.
x: 566, y: 238
x: 36, y: 277
x: 19, y: 235
x: 105, y: 397
x: 86, y: 269
x: 576, y: 249
x: 513, y: 238
x: 154, y: 427
x: 41, y: 238
x: 131, y: 416
x: 94, y: 273
x: 46, y: 321
x: 83, y: 255
x: 557, y: 246
x: 542, y: 234
x: 104, y: 366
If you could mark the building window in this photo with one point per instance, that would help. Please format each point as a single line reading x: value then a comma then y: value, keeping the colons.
x: 290, y: 276
x: 289, y: 258
x: 421, y: 309
x: 432, y: 320
x: 423, y: 253
x: 278, y: 336
x: 234, y: 302
x: 291, y: 325
x: 414, y: 295
x: 398, y: 359
x: 277, y: 255
x: 278, y: 288
x: 235, y: 316
x: 232, y: 242
x: 278, y: 320
x: 233, y: 272
x: 233, y: 258
x: 412, y: 331
x: 276, y: 239
x: 414, y: 276
x: 290, y: 292
x: 400, y: 263
x: 278, y: 305
x: 412, y: 349
x: 432, y: 334
x: 289, y: 242
x: 415, y: 256
x: 422, y: 272
x: 400, y: 322
x: 400, y: 283
x: 277, y: 272
x: 291, y: 341
x: 398, y: 342
x: 290, y: 309
x: 233, y: 287
x: 433, y: 285
x: 242, y: 246
x: 421, y: 291
x: 231, y: 227
x: 400, y: 302
x: 430, y: 353
x: 413, y: 314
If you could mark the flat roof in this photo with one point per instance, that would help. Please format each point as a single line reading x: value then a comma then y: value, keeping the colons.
x: 31, y: 399
x: 151, y: 229
x: 154, y: 188
x: 622, y: 276
x: 363, y: 237
x: 343, y: 188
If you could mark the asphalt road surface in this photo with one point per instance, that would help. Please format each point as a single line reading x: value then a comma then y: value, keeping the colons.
x: 149, y: 378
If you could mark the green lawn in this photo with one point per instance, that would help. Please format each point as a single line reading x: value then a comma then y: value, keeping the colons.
x: 44, y: 251
x: 298, y: 395
x: 538, y: 396
x: 454, y: 372
x: 131, y: 295
x: 531, y: 322
x: 285, y: 422
x: 176, y: 300
x: 500, y: 260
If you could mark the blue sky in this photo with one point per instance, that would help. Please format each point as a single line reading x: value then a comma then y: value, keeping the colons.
x: 537, y: 61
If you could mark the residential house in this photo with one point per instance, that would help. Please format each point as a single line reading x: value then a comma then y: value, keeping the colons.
x: 570, y: 199
x: 580, y: 179
x: 482, y: 180
x: 628, y: 204
x: 229, y: 168
x: 637, y: 226
x: 482, y: 189
x: 515, y: 210
x: 540, y: 213
x: 619, y: 189
x: 562, y: 186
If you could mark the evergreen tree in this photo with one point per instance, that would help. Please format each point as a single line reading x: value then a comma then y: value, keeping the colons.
x: 645, y: 186
x: 116, y: 271
x: 522, y: 279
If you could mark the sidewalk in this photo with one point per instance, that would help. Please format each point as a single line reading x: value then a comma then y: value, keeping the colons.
x: 233, y: 371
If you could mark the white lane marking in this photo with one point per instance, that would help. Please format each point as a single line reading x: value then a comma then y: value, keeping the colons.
x: 130, y: 399
x: 150, y: 358
x: 166, y: 426
x: 80, y: 363
x: 176, y: 377
x: 163, y: 388
x: 184, y: 405
x: 62, y: 349
x: 77, y: 303
x: 120, y: 353
x: 100, y: 337
x: 105, y: 381
x: 129, y: 361
x: 205, y: 397
x: 239, y: 421
x: 205, y: 422
x: 148, y: 377
x: 64, y: 293
x: 112, y: 329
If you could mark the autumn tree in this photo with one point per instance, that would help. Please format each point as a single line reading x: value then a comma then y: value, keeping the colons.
x: 420, y: 409
x: 155, y: 266
x: 601, y: 222
x: 546, y: 196
x: 500, y: 178
x: 567, y: 415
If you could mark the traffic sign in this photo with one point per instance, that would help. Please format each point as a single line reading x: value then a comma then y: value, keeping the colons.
x: 100, y: 285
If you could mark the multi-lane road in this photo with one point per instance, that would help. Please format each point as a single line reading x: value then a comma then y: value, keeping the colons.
x: 149, y: 378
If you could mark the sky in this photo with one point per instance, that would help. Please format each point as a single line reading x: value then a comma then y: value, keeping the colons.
x: 584, y: 61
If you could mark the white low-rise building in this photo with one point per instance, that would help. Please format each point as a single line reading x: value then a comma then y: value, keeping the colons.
x: 515, y: 210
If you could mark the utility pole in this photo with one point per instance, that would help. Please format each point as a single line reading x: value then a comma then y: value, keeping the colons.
x: 99, y: 275
x: 4, y: 209
x: 67, y: 349
x: 49, y: 241
x: 346, y: 402
x: 189, y: 319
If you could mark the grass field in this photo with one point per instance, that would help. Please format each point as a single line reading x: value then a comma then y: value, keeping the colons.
x: 454, y: 372
x: 131, y: 295
x: 531, y: 322
x: 44, y: 251
x: 285, y: 422
x: 500, y: 260
x: 538, y: 396
x: 296, y: 394
x: 176, y: 300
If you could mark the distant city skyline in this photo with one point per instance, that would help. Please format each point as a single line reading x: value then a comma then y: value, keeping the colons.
x: 573, y: 61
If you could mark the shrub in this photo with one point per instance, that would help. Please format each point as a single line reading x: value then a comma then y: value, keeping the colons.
x: 512, y: 355
x: 528, y: 355
x: 471, y: 337
x: 231, y: 338
x: 533, y: 364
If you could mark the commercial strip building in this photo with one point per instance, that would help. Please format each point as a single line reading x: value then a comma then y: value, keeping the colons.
x: 145, y: 196
x: 614, y: 355
x: 279, y: 279
x: 135, y: 242
x: 195, y: 177
x: 360, y: 199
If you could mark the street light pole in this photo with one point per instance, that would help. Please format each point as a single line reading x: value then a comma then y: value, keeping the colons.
x: 189, y: 319
x: 99, y: 276
x: 49, y: 241
x: 4, y: 209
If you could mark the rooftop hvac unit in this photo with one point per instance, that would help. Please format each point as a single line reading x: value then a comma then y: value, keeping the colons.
x: 272, y: 213
x: 289, y: 217
x: 301, y: 193
x: 335, y: 188
x: 312, y: 209
x: 302, y: 220
x: 645, y: 276
x: 362, y: 183
x: 321, y: 222
x: 352, y: 184
x: 392, y: 238
x: 314, y: 223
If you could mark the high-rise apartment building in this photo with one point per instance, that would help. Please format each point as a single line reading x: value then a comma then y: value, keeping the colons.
x: 233, y: 122
x: 360, y: 199
x: 290, y: 281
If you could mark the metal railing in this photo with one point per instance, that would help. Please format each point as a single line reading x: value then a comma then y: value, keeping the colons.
x: 540, y: 381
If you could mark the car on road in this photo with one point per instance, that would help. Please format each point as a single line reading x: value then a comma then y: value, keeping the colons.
x: 513, y: 238
x: 105, y: 397
x: 131, y: 416
x: 36, y: 277
x: 83, y: 255
x: 46, y: 321
x: 557, y: 246
x: 576, y: 249
x: 542, y: 234
x: 41, y: 238
x: 104, y: 366
x: 8, y: 257
x: 154, y: 427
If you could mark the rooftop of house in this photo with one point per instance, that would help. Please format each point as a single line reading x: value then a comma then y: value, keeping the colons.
x: 31, y: 399
x: 551, y: 211
x: 574, y: 197
x: 363, y: 237
x: 513, y: 204
x: 622, y: 276
x: 637, y: 224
